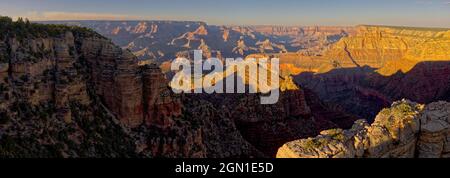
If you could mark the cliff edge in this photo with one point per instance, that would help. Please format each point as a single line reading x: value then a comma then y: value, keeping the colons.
x: 406, y: 130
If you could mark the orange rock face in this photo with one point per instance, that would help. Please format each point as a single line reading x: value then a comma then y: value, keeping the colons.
x: 134, y: 96
x: 377, y: 65
x: 116, y: 78
x: 201, y: 30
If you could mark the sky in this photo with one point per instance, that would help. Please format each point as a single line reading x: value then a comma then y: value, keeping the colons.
x: 425, y: 13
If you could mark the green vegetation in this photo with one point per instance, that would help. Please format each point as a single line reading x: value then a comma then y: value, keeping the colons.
x: 23, y: 28
x: 332, y: 136
x: 336, y: 134
x: 3, y: 87
x: 24, y: 78
x: 404, y: 108
x: 316, y: 143
x: 3, y: 58
x: 397, y: 113
x: 4, y: 118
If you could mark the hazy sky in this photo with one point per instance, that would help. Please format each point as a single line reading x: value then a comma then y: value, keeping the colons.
x: 434, y: 13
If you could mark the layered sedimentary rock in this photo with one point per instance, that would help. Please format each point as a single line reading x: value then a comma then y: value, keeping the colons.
x: 367, y: 71
x: 388, y: 49
x: 375, y: 46
x: 49, y: 107
x: 69, y: 92
x: 295, y: 31
x: 159, y: 102
x: 115, y: 75
x: 313, y: 40
x: 146, y: 38
x: 406, y: 130
x: 126, y: 89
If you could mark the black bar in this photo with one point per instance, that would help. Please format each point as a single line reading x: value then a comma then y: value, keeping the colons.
x: 167, y: 167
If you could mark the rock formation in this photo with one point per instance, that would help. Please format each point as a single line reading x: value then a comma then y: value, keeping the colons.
x: 171, y: 37
x: 240, y: 48
x: 160, y: 104
x: 369, y: 70
x: 69, y: 92
x: 52, y: 87
x: 406, y: 130
x: 375, y: 46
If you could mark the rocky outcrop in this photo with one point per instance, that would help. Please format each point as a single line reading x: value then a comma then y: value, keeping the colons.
x: 206, y: 51
x: 225, y: 34
x: 160, y: 104
x: 140, y: 28
x: 240, y: 48
x: 434, y: 135
x: 405, y: 130
x: 116, y: 79
x: 201, y: 30
x: 267, y: 46
x: 125, y: 89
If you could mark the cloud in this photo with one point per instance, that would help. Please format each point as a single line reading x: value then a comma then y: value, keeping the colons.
x: 55, y: 15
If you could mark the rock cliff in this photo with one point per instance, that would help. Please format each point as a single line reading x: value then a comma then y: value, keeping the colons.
x: 49, y: 101
x: 367, y: 71
x: 69, y: 92
x: 378, y: 46
x: 149, y: 39
x: 406, y: 130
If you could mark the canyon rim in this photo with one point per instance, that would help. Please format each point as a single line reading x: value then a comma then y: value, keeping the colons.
x: 79, y: 84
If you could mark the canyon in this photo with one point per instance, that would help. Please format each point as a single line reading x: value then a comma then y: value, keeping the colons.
x: 161, y: 41
x: 368, y: 71
x: 101, y: 89
x: 69, y: 92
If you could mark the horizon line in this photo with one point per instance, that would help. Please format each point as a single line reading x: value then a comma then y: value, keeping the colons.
x: 237, y: 25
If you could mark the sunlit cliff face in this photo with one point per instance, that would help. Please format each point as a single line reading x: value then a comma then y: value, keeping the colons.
x: 387, y: 49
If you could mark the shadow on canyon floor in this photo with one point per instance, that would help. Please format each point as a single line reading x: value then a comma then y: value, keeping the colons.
x: 363, y: 91
x: 330, y: 100
x: 298, y: 114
